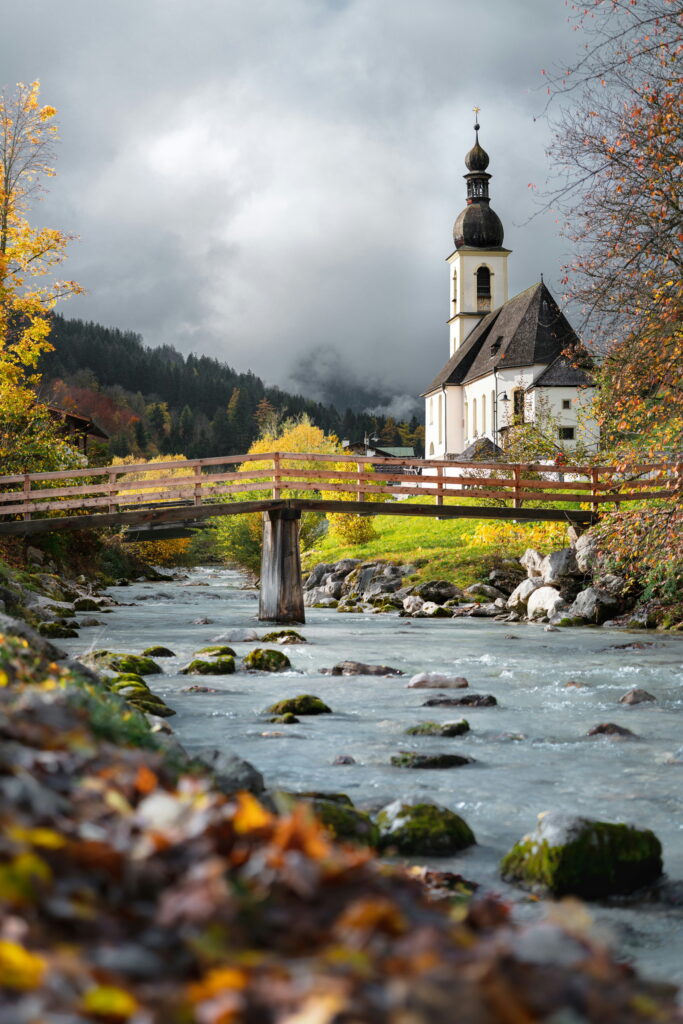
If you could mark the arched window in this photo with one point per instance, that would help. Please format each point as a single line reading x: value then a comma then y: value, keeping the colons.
x: 431, y: 410
x: 454, y: 301
x: 440, y: 415
x: 483, y: 414
x: 493, y: 415
x: 474, y: 417
x: 465, y: 419
x: 431, y: 449
x: 518, y: 405
x: 483, y: 290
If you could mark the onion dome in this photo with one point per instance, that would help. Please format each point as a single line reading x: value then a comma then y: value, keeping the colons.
x: 478, y: 225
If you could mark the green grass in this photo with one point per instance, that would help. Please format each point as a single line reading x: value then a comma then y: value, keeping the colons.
x: 461, y: 551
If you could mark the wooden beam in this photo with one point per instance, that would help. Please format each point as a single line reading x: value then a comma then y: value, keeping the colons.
x: 402, y: 508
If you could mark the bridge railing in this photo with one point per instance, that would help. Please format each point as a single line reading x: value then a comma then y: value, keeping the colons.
x: 111, y: 489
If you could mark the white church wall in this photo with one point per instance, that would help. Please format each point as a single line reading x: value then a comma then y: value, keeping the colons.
x: 464, y: 264
x: 570, y: 408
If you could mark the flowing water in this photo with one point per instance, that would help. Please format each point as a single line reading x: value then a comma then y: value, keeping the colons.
x: 531, y: 751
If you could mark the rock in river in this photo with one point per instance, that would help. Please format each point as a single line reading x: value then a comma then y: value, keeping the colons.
x: 610, y: 729
x: 218, y: 667
x: 422, y: 828
x: 439, y: 729
x: 304, y: 704
x: 469, y: 700
x: 158, y: 652
x: 412, y: 759
x: 263, y: 659
x: 359, y: 668
x: 437, y: 681
x: 575, y: 856
x: 136, y: 663
x: 636, y: 696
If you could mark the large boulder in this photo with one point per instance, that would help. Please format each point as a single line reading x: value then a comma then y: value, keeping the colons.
x: 303, y: 704
x: 438, y: 591
x: 574, y: 856
x: 264, y: 659
x: 316, y: 575
x: 593, y: 605
x: 558, y: 565
x: 483, y: 590
x: 432, y: 610
x: 359, y: 668
x: 345, y: 821
x: 586, y: 552
x: 424, y: 829
x: 412, y: 604
x: 519, y: 597
x: 532, y: 560
x: 120, y: 662
x: 545, y: 601
x: 232, y: 773
x: 436, y: 681
x: 414, y: 759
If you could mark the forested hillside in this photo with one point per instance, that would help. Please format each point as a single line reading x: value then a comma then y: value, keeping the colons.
x: 156, y: 400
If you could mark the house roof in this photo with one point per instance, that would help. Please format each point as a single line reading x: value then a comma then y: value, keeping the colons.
x: 526, y: 330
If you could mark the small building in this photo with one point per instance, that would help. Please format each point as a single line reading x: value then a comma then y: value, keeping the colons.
x: 510, y: 361
x: 76, y: 428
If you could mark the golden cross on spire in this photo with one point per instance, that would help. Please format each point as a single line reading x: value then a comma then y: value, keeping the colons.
x: 476, y: 120
x: 476, y: 110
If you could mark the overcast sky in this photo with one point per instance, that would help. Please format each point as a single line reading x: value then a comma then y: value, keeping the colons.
x: 274, y: 182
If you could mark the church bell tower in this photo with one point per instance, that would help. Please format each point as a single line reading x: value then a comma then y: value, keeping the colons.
x: 478, y: 265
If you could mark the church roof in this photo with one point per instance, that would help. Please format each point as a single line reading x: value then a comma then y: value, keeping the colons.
x: 562, y: 373
x: 526, y: 330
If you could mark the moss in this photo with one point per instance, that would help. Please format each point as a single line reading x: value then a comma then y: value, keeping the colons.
x: 423, y: 830
x: 346, y: 823
x: 158, y: 652
x: 284, y: 636
x: 219, y: 667
x: 155, y: 706
x: 304, y: 704
x: 86, y: 604
x: 264, y: 660
x: 411, y: 759
x: 136, y: 663
x: 439, y: 729
x: 287, y: 719
x: 217, y: 650
x: 56, y: 630
x: 597, y: 860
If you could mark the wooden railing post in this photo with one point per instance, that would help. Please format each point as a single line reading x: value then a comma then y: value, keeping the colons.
x: 111, y: 476
x: 517, y: 476
x: 360, y: 493
x: 27, y: 493
x: 438, y: 499
x: 595, y: 489
x: 197, y: 485
x: 276, y: 475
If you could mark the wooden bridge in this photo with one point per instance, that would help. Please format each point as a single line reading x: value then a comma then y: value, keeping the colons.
x: 153, y: 497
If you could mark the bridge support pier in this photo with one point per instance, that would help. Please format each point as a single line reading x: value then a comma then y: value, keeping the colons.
x: 282, y: 596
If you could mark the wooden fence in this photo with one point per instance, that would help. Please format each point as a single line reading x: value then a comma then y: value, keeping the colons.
x: 278, y: 475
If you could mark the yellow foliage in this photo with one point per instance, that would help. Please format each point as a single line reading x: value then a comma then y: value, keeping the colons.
x: 109, y: 1002
x: 162, y: 552
x: 19, y: 968
x: 510, y: 536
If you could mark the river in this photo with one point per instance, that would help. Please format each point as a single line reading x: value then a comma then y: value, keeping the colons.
x: 531, y: 751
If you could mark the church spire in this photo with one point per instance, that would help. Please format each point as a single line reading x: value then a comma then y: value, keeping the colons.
x: 478, y: 226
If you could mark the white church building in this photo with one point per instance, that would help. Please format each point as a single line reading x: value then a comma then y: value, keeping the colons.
x: 508, y: 361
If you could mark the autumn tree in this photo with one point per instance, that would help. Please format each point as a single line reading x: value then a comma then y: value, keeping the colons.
x: 28, y: 290
x: 618, y: 124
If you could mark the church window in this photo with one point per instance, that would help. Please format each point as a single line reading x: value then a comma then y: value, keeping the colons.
x: 483, y: 290
x: 440, y: 415
x: 565, y: 433
x: 455, y: 292
x: 493, y: 413
x: 474, y: 417
x: 483, y: 414
x: 566, y: 403
x: 518, y: 405
x: 465, y: 419
x: 431, y: 449
x: 431, y: 411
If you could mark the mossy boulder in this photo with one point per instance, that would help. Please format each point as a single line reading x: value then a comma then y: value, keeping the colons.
x: 56, y: 630
x: 284, y: 636
x: 412, y: 759
x: 117, y: 662
x: 217, y: 651
x: 158, y: 652
x: 304, y: 704
x: 262, y: 659
x: 151, y: 705
x: 573, y: 856
x: 87, y: 604
x: 421, y: 828
x: 439, y: 729
x: 287, y: 719
x: 218, y: 667
x: 346, y: 822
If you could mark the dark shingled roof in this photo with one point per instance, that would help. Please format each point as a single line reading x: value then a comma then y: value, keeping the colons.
x: 529, y: 328
x: 563, y: 374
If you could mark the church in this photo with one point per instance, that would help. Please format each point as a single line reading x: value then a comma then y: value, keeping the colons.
x: 509, y: 361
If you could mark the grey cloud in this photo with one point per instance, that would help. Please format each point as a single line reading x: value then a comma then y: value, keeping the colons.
x: 264, y: 181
